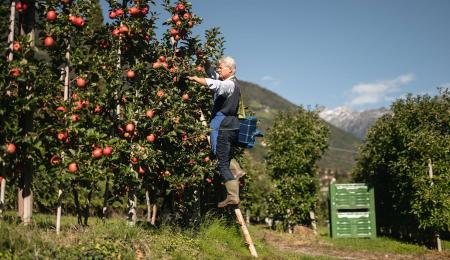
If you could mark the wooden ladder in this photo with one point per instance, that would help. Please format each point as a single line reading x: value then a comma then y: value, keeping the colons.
x: 248, y: 238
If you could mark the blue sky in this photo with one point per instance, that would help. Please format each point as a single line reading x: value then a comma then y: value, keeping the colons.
x: 359, y: 53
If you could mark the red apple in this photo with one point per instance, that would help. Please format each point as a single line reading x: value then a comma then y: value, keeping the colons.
x: 79, y: 105
x: 162, y: 58
x: 119, y: 12
x: 97, y: 153
x: 180, y: 7
x: 19, y: 6
x: 160, y: 93
x: 129, y: 127
x: 81, y: 82
x: 133, y: 10
x: 75, y: 118
x: 51, y: 15
x: 123, y: 29
x: 185, y: 97
x: 134, y: 160
x: 175, y: 18
x: 190, y: 24
x: 97, y: 108
x: 206, y: 159
x: 130, y: 74
x: 16, y: 46
x: 61, y: 108
x: 156, y: 65
x: 116, y: 32
x: 62, y: 136
x: 55, y: 160
x: 65, y: 2
x: 186, y: 16
x: 107, y: 151
x: 73, y: 167
x: 151, y: 138
x: 174, y: 32
x: 179, y: 24
x: 112, y: 14
x: 15, y: 72
x: 150, y: 113
x: 10, y: 148
x: 141, y: 170
x: 78, y: 21
x: 48, y: 41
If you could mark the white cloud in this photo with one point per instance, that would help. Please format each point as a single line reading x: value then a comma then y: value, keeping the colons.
x: 376, y: 92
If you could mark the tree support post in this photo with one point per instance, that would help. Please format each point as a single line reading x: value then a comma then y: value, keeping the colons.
x: 438, y: 238
x: 2, y: 191
x: 247, y: 237
x: 58, y: 212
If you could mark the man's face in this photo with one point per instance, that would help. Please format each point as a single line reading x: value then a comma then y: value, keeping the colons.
x: 224, y: 71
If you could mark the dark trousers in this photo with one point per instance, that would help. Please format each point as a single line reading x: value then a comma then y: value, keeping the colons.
x: 225, y: 141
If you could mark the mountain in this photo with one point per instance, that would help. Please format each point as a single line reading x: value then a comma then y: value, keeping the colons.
x: 265, y: 104
x: 352, y: 121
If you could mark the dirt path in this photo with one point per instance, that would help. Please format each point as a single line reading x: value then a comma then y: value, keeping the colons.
x: 312, y: 246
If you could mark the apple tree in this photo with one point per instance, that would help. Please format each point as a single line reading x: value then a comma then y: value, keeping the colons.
x: 295, y: 142
x: 400, y: 151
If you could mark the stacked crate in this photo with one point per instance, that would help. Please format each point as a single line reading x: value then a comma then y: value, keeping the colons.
x: 352, y: 210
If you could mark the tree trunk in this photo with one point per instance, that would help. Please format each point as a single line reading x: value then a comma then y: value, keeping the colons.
x: 132, y: 202
x: 77, y: 204
x: 154, y: 211
x: 12, y: 19
x: 86, y: 208
x: 26, y: 122
x: 105, y: 199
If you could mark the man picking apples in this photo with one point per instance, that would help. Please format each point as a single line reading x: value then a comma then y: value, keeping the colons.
x: 224, y: 123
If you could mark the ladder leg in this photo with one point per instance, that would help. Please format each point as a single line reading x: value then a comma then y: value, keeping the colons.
x: 247, y: 236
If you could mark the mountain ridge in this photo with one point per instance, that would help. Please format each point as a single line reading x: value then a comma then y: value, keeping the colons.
x: 352, y: 121
x: 265, y: 104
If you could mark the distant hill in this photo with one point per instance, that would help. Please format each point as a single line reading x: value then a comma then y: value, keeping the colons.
x: 266, y: 104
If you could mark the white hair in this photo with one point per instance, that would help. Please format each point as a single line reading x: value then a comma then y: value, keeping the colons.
x: 228, y: 61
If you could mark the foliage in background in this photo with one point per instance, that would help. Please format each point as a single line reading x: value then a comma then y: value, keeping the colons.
x: 395, y: 159
x: 296, y: 141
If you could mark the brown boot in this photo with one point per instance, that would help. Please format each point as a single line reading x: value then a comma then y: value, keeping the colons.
x: 232, y: 194
x: 236, y: 169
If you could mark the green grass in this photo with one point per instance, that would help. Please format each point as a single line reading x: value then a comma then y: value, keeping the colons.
x: 379, y: 244
x: 114, y: 239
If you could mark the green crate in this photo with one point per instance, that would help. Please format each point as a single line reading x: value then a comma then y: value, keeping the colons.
x: 352, y: 211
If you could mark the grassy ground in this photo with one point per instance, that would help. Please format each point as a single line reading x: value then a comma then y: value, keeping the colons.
x: 114, y: 239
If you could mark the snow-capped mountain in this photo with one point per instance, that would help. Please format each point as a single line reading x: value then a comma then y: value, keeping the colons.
x: 352, y: 121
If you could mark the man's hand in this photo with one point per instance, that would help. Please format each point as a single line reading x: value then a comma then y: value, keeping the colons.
x: 201, y: 81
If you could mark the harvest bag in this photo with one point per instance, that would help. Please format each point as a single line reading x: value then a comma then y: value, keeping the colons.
x: 247, y: 131
x: 247, y: 128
